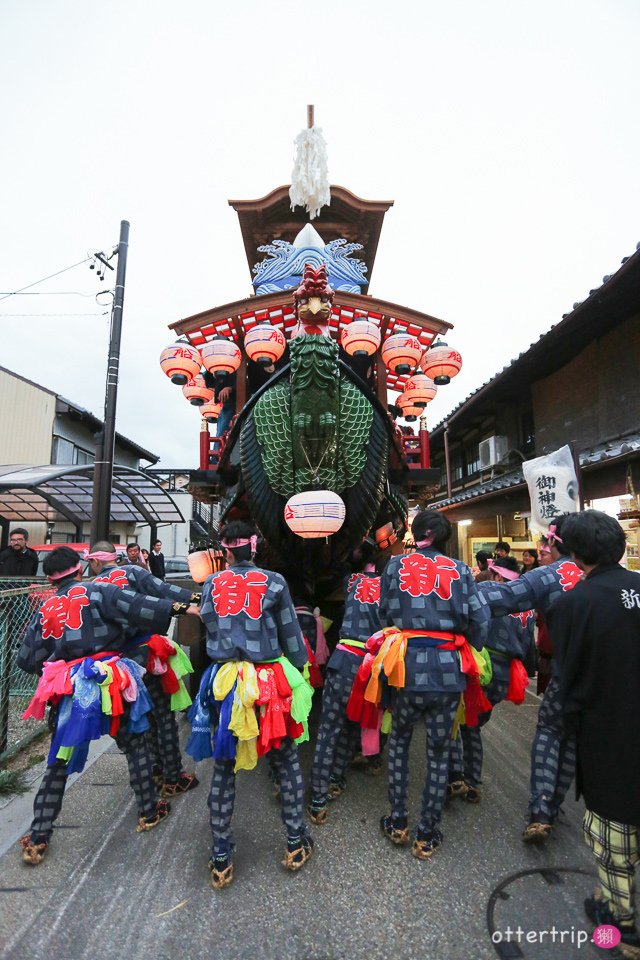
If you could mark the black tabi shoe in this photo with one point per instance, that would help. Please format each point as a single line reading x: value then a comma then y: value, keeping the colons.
x: 162, y: 811
x: 318, y: 812
x: 456, y: 788
x: 336, y: 788
x: 537, y: 832
x: 426, y: 844
x: 396, y: 831
x: 298, y: 851
x: 221, y: 870
x: 472, y: 794
x: 184, y: 783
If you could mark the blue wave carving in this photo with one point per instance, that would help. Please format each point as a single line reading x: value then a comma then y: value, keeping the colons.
x: 283, y: 267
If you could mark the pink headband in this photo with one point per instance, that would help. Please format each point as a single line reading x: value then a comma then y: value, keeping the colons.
x: 427, y: 541
x: 552, y: 535
x: 100, y: 555
x: 503, y: 571
x: 64, y: 573
x: 231, y: 544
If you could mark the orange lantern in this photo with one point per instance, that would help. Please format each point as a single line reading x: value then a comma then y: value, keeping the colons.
x: 210, y: 411
x: 197, y: 392
x: 441, y: 363
x: 205, y: 562
x: 180, y: 362
x: 419, y: 390
x: 264, y: 344
x: 220, y: 356
x: 361, y: 338
x: 401, y: 352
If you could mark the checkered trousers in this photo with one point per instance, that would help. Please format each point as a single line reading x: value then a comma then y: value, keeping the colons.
x: 438, y: 712
x: 473, y: 753
x: 616, y: 847
x: 553, y: 757
x: 337, y: 737
x: 287, y: 773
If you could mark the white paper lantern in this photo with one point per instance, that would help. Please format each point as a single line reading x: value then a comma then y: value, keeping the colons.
x: 220, y: 356
x: 401, y: 353
x: 441, y: 363
x: 264, y: 344
x: 419, y: 390
x: 315, y: 513
x: 181, y: 362
x: 197, y: 392
x: 361, y: 338
x: 210, y: 411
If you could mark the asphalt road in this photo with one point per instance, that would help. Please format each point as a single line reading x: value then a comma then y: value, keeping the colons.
x: 105, y: 890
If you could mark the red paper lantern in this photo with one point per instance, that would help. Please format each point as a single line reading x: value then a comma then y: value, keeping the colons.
x: 401, y: 353
x: 264, y: 344
x: 441, y: 363
x: 220, y: 356
x: 419, y: 390
x: 197, y: 392
x: 361, y: 338
x: 180, y: 362
x: 211, y: 411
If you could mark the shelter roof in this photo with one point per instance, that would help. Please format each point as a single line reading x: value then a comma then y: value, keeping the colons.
x: 271, y: 218
x: 52, y: 493
x: 235, y: 319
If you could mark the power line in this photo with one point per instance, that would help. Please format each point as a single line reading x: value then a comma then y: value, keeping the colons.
x: 51, y: 275
x: 45, y: 293
x: 103, y: 314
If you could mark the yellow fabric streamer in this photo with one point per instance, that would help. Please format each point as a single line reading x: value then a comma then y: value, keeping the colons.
x: 225, y: 679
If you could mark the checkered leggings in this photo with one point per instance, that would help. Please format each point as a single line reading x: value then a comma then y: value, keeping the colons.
x: 553, y: 757
x: 437, y: 710
x: 288, y: 776
x: 337, y: 737
x: 616, y: 847
x: 473, y: 753
x: 48, y: 801
x: 165, y: 740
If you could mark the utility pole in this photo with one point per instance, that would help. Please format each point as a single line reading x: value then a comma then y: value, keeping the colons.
x: 103, y: 467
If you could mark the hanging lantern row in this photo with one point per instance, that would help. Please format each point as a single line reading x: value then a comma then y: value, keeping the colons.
x: 401, y: 352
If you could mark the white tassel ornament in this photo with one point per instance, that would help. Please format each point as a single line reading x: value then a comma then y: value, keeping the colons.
x: 309, y: 178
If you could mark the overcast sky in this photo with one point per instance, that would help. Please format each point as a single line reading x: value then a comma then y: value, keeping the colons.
x: 506, y: 132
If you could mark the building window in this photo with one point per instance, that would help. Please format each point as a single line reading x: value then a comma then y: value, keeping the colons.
x: 472, y: 459
x: 456, y: 467
x: 66, y: 452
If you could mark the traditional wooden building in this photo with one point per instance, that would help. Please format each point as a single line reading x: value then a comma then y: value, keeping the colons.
x: 577, y: 384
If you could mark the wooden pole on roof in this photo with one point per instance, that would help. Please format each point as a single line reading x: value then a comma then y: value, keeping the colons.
x: 310, y: 115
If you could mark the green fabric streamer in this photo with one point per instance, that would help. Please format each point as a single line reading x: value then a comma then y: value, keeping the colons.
x: 301, y: 696
x: 180, y: 700
x: 385, y: 726
x: 485, y: 669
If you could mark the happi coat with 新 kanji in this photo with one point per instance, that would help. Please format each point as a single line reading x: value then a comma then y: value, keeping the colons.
x: 81, y: 619
x: 426, y: 591
x: 249, y: 615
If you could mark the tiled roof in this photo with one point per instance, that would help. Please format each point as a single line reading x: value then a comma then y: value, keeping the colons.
x: 620, y: 447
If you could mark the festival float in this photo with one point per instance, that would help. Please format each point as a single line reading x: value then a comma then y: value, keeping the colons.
x: 313, y: 454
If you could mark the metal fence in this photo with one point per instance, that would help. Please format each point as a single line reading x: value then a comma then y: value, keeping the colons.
x: 19, y: 600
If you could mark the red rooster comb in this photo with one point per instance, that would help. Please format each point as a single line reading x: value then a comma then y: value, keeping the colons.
x: 314, y: 284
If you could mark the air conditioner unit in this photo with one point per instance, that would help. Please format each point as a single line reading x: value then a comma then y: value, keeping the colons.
x: 493, y: 451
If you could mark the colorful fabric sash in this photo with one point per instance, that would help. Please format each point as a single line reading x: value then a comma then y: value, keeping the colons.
x: 245, y: 709
x: 518, y: 676
x: 90, y: 694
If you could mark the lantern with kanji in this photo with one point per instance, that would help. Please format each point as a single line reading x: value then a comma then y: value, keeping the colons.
x: 411, y: 414
x: 361, y: 338
x: 315, y: 513
x: 205, y: 562
x: 419, y: 390
x: 264, y: 344
x: 197, y: 392
x: 210, y: 411
x: 181, y: 362
x: 441, y: 363
x: 401, y: 353
x: 220, y: 356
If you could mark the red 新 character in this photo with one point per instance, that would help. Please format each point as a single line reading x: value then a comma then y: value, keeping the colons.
x: 522, y: 617
x: 60, y: 612
x: 117, y: 577
x: 235, y: 593
x: 569, y: 574
x: 368, y: 590
x: 420, y: 575
x: 353, y: 579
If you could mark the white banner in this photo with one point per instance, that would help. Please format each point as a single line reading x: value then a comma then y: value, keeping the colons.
x: 553, y: 487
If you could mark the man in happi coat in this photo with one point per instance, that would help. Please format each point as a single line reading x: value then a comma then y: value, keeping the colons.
x: 433, y: 601
x: 553, y: 751
x: 74, y: 643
